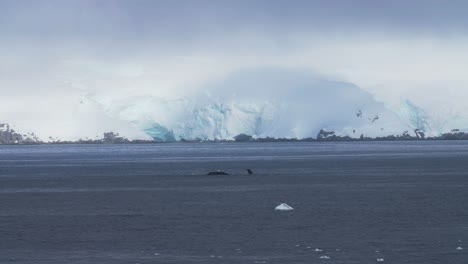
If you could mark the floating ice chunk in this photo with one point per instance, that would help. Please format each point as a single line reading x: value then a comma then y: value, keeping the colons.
x: 318, y: 250
x: 284, y: 207
x: 156, y: 254
x: 380, y: 260
x: 324, y: 257
x: 459, y: 248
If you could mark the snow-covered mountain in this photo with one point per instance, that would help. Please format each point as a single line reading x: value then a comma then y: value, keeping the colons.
x: 341, y: 107
x: 261, y: 103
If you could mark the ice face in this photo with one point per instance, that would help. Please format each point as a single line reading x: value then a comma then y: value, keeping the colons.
x: 432, y: 121
x: 415, y: 116
x: 261, y: 103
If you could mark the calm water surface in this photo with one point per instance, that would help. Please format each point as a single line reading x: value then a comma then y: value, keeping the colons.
x: 400, y: 202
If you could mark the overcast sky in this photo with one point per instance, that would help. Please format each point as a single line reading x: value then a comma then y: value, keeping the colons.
x: 165, y: 20
x: 52, y: 50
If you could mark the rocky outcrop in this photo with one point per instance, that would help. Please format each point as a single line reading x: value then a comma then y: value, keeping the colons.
x: 455, y: 134
x: 243, y: 138
x: 324, y: 134
x: 10, y: 136
x: 113, y: 138
x: 420, y: 134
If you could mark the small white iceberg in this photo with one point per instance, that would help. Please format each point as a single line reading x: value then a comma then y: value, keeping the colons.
x: 324, y: 257
x: 318, y: 250
x: 283, y: 207
x: 459, y: 248
x: 380, y: 260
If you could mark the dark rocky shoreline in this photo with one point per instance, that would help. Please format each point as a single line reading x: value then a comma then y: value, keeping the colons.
x: 9, y: 136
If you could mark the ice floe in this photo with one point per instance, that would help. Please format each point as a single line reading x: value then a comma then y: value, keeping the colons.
x: 324, y: 257
x: 284, y: 207
x: 459, y: 248
x: 380, y: 260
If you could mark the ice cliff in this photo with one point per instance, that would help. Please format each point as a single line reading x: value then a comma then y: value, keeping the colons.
x: 258, y: 103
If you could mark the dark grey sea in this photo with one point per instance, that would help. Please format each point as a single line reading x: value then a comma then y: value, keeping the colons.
x: 354, y: 202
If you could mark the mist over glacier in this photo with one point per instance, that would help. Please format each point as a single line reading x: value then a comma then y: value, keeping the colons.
x: 267, y: 102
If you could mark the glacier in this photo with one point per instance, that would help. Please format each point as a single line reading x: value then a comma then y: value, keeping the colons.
x: 432, y: 121
x: 268, y: 102
x: 261, y: 103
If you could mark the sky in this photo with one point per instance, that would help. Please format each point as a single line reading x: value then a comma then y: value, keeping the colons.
x: 53, y: 52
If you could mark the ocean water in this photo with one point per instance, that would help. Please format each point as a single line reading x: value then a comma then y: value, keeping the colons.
x: 354, y: 202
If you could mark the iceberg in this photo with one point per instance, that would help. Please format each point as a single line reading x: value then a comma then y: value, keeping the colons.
x: 283, y: 207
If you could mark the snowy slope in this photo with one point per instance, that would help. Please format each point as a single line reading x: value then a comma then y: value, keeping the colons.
x: 261, y: 104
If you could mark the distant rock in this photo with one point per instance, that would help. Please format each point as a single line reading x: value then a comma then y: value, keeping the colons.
x: 10, y: 136
x: 324, y: 134
x: 419, y: 134
x: 113, y: 138
x: 331, y: 136
x: 243, y: 138
x: 455, y: 134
